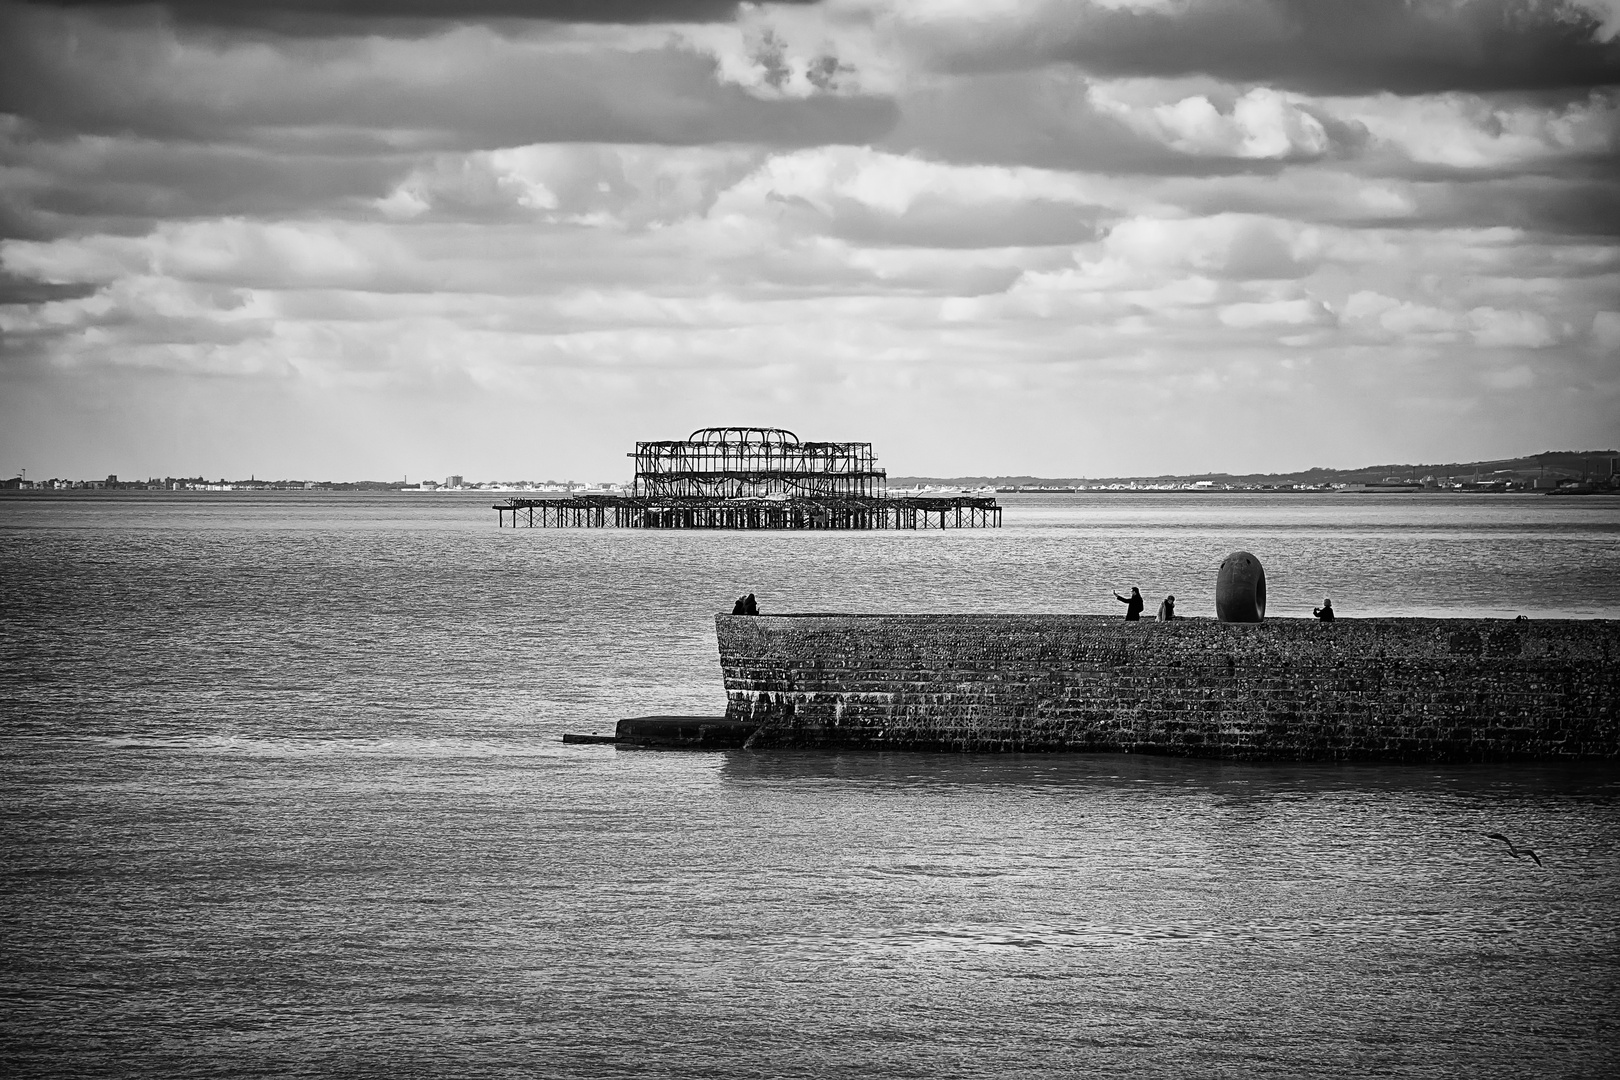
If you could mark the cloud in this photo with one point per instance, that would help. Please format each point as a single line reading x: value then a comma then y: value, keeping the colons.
x: 466, y: 87
x: 847, y: 217
x: 349, y: 16
x: 1299, y: 312
x: 113, y: 124
x: 1058, y: 119
x: 20, y: 289
x: 870, y: 197
x: 1232, y: 246
x: 1458, y: 134
x: 1260, y: 124
x: 1606, y: 330
x: 580, y: 184
x: 1311, y: 46
x: 1485, y: 327
x: 123, y: 185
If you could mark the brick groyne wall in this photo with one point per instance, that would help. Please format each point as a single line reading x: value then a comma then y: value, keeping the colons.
x: 1285, y: 689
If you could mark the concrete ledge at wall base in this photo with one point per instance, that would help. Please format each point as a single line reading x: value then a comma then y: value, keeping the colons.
x: 681, y: 733
x: 1284, y: 689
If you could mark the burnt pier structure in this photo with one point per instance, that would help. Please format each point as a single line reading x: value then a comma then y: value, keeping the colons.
x: 754, y: 478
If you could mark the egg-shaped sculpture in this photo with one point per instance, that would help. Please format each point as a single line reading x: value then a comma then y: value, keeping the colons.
x: 1240, y: 589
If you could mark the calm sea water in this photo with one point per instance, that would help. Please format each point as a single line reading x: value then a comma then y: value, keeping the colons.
x: 281, y: 792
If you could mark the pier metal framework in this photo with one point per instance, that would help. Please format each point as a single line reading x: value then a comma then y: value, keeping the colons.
x: 754, y: 478
x: 735, y: 463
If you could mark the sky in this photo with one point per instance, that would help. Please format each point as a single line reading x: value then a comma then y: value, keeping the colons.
x: 380, y: 239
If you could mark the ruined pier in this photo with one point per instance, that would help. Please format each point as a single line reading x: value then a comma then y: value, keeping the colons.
x: 753, y: 478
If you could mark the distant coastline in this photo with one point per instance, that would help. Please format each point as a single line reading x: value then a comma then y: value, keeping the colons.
x: 1577, y: 471
x: 1586, y: 470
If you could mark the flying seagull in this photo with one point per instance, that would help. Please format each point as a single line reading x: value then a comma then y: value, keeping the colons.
x: 1517, y: 853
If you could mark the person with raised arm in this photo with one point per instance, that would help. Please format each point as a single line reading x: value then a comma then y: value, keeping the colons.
x: 1133, y: 604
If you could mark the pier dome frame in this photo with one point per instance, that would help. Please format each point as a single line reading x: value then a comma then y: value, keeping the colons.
x: 754, y: 462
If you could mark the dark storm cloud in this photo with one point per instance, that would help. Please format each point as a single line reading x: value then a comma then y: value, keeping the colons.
x: 343, y: 16
x: 122, y: 186
x: 17, y: 289
x: 1320, y: 46
x: 1584, y: 209
x: 478, y: 96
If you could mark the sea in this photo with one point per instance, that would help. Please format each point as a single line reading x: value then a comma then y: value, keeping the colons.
x: 283, y: 793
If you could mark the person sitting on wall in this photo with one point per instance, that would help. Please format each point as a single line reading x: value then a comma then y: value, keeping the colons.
x: 749, y: 606
x: 1133, y: 604
x: 741, y: 606
x: 1167, y: 609
x: 1325, y: 612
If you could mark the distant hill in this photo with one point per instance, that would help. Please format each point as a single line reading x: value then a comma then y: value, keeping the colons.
x: 1551, y: 467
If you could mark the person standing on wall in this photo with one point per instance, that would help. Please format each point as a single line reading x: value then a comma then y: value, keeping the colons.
x: 1133, y: 604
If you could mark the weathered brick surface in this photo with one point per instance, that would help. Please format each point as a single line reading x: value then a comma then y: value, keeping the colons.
x: 1285, y: 689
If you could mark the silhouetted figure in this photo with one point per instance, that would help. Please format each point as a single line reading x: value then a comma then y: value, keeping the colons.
x: 1167, y: 609
x: 741, y: 606
x: 749, y: 606
x: 1133, y: 604
x: 1325, y: 612
x: 1516, y: 852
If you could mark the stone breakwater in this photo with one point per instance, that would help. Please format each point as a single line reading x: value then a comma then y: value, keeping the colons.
x: 1284, y: 689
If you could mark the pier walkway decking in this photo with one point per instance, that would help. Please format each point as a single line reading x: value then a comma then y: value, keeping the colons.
x: 794, y: 512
